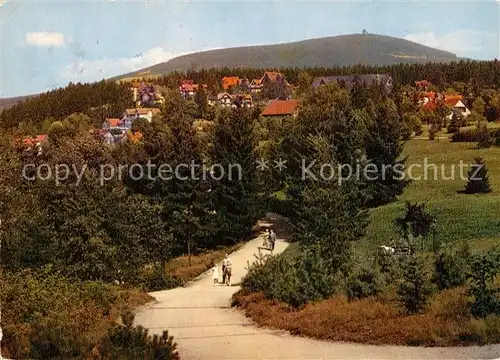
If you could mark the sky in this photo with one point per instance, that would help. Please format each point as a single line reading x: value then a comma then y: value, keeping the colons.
x: 47, y: 44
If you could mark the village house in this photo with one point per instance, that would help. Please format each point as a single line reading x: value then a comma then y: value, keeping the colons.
x: 129, y: 115
x: 33, y: 142
x: 281, y: 108
x: 457, y: 105
x: 269, y: 77
x: 224, y: 99
x: 230, y: 82
x: 243, y: 100
x: 188, y: 89
x: 233, y: 100
x: 146, y: 94
x: 349, y: 81
x: 255, y: 86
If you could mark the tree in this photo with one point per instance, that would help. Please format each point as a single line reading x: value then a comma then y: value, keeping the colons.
x: 235, y: 194
x: 478, y: 180
x: 201, y: 101
x: 450, y: 269
x: 457, y: 121
x: 383, y: 149
x: 416, y: 222
x: 304, y: 82
x: 415, y: 289
x: 479, y: 105
x: 483, y: 270
x: 129, y: 343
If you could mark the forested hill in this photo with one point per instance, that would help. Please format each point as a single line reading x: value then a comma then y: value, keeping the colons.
x: 109, y: 99
x: 344, y: 50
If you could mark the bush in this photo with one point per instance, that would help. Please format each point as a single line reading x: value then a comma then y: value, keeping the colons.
x: 157, y: 279
x: 450, y: 269
x: 130, y: 343
x: 482, y: 135
x: 479, y: 182
x: 470, y: 135
x: 295, y: 279
x: 483, y: 270
x: 432, y: 132
x: 46, y: 316
x: 484, y: 138
x: 363, y: 283
x: 415, y: 289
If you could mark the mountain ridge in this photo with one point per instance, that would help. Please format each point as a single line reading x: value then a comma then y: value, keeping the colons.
x: 333, y: 51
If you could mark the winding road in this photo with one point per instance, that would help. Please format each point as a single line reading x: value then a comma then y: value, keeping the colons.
x: 204, y: 325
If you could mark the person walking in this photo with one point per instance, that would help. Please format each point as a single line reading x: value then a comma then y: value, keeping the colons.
x: 215, y: 273
x: 272, y: 239
x: 266, y: 239
x: 228, y: 270
x: 224, y: 269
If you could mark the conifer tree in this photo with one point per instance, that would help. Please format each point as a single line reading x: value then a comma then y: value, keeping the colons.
x: 478, y: 180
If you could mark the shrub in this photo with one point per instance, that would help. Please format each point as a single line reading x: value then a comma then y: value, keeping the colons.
x: 416, y: 221
x: 483, y: 270
x: 415, y: 289
x: 295, y: 279
x: 130, y: 343
x: 157, y: 279
x: 432, y: 133
x: 406, y: 132
x: 470, y: 135
x: 479, y: 182
x: 363, y: 283
x: 484, y: 139
x: 450, y: 269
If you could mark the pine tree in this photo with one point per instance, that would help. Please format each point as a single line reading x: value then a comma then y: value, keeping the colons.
x: 415, y: 289
x: 478, y: 180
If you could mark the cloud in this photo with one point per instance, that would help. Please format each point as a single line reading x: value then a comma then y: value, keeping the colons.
x: 92, y: 70
x: 461, y: 42
x: 45, y: 38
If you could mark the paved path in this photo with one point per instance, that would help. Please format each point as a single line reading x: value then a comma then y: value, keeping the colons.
x: 205, y: 327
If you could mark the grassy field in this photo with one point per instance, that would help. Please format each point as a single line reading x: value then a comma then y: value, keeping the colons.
x: 474, y: 218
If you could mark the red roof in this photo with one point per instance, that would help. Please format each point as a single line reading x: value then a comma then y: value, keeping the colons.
x: 35, y: 139
x: 452, y: 100
x: 229, y: 81
x: 113, y: 122
x: 281, y: 108
x: 272, y: 75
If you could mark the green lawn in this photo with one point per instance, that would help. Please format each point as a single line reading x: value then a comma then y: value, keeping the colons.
x: 475, y: 218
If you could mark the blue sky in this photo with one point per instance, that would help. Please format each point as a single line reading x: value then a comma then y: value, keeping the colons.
x: 47, y: 44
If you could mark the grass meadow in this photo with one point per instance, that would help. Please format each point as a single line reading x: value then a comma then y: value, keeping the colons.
x: 473, y: 218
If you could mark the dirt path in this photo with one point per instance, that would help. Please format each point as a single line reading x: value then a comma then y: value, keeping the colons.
x: 205, y: 327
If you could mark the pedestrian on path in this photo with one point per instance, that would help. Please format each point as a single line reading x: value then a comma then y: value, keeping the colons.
x: 272, y: 239
x: 224, y: 262
x: 228, y: 271
x: 266, y: 239
x: 215, y: 273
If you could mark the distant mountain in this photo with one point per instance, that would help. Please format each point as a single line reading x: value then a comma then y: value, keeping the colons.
x: 344, y: 50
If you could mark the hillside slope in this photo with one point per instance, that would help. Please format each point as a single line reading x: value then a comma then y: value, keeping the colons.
x: 8, y: 102
x: 341, y: 50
